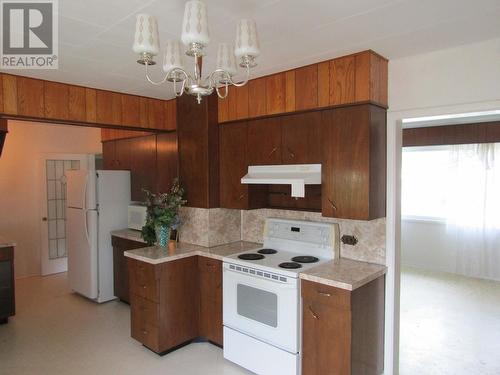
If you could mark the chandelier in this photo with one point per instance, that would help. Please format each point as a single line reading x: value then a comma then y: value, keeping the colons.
x: 195, y: 37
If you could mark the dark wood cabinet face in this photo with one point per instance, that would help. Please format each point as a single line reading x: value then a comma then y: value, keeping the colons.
x: 142, y: 166
x: 301, y: 138
x: 109, y: 155
x: 210, y: 319
x: 264, y: 141
x: 7, y: 294
x: 233, y: 165
x: 167, y: 162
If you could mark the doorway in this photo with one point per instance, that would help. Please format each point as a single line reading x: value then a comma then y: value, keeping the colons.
x: 52, y: 186
x: 450, y: 258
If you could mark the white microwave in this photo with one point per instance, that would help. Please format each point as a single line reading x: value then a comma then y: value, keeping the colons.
x: 136, y: 216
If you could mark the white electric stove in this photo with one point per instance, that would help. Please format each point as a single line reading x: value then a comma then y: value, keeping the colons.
x: 261, y: 308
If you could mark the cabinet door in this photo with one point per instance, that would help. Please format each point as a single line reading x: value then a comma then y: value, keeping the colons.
x: 301, y: 138
x: 6, y: 289
x: 179, y: 302
x: 233, y: 165
x: 123, y: 154
x: 130, y: 110
x: 108, y: 107
x: 346, y: 164
x: 120, y: 266
x: 142, y: 165
x: 306, y: 87
x: 109, y: 154
x: 167, y: 163
x: 76, y: 103
x: 30, y: 98
x: 156, y: 114
x: 210, y: 273
x: 264, y: 141
x: 326, y: 339
x: 56, y: 97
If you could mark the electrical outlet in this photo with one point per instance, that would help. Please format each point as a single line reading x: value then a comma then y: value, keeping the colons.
x: 349, y: 240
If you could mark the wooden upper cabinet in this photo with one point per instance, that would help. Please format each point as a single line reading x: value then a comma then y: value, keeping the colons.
x: 143, y: 112
x: 156, y: 115
x: 342, y: 80
x: 233, y: 165
x: 109, y: 155
x: 306, y: 87
x: 237, y: 102
x: 90, y: 105
x: 324, y: 84
x: 275, y: 94
x: 56, y: 97
x: 354, y: 162
x: 142, y: 165
x: 130, y: 110
x: 76, y: 103
x: 257, y: 97
x: 264, y: 141
x: 167, y: 161
x: 290, y: 91
x: 170, y: 115
x: 301, y: 138
x: 371, y: 78
x: 9, y: 89
x: 108, y: 107
x: 30, y: 97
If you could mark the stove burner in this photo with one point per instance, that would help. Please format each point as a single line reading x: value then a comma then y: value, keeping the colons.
x: 251, y: 256
x: 267, y: 251
x: 290, y: 265
x: 305, y: 259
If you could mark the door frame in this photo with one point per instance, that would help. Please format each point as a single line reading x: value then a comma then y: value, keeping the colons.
x: 47, y: 266
x: 393, y: 220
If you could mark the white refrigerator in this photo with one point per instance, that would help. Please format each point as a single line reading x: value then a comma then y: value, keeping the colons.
x: 97, y: 203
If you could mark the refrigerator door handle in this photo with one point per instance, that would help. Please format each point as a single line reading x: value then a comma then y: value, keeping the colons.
x: 87, y: 228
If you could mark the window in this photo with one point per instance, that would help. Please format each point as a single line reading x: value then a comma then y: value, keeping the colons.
x: 425, y: 182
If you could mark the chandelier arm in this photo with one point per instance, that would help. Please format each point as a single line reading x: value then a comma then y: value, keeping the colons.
x: 225, y: 91
x: 228, y: 77
x: 156, y: 83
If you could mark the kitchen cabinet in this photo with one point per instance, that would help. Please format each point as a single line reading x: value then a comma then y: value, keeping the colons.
x: 108, y: 107
x: 264, y: 141
x: 131, y: 114
x: 354, y: 162
x: 237, y: 102
x: 56, y: 97
x: 142, y: 165
x: 343, y: 331
x: 198, y: 137
x: 76, y: 103
x: 7, y: 295
x: 301, y: 138
x: 109, y: 155
x: 167, y: 161
x: 210, y: 286
x: 257, y: 97
x: 120, y: 266
x: 164, y: 301
x: 275, y: 93
x: 156, y: 113
x: 342, y: 80
x: 306, y: 87
x: 30, y: 97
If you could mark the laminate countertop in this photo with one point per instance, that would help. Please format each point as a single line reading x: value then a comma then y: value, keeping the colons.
x: 4, y: 242
x: 343, y: 273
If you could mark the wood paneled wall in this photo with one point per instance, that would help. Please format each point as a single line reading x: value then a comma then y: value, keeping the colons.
x: 485, y: 132
x: 35, y: 99
x: 357, y: 78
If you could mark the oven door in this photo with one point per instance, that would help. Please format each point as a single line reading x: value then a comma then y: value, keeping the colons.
x: 261, y: 307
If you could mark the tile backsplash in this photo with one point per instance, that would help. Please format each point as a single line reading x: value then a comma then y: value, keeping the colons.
x: 217, y: 226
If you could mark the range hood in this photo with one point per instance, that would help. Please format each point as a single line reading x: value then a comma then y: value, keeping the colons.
x: 296, y: 175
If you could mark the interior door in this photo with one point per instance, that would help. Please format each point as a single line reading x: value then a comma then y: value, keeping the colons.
x: 52, y: 197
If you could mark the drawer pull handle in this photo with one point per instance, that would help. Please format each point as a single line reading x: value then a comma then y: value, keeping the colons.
x: 273, y: 151
x: 331, y: 204
x: 292, y: 154
x: 144, y: 332
x: 315, y: 316
x: 241, y: 196
x: 324, y: 294
x: 143, y: 286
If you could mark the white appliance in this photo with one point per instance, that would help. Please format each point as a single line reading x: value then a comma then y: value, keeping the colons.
x: 261, y: 294
x: 97, y: 203
x: 295, y: 175
x: 136, y: 216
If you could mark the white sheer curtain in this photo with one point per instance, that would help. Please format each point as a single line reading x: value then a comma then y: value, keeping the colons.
x: 473, y: 209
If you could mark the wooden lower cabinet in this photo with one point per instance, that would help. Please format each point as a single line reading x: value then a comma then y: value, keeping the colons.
x: 175, y: 302
x: 210, y: 318
x: 120, y: 266
x: 343, y: 331
x: 7, y: 296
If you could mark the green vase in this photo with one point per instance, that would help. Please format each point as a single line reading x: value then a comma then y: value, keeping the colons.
x: 162, y: 235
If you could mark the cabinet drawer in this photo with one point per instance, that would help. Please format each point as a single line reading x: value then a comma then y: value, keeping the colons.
x: 145, y: 333
x: 326, y: 295
x: 144, y: 280
x: 144, y: 311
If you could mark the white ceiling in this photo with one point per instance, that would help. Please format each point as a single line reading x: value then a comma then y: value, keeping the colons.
x: 95, y: 36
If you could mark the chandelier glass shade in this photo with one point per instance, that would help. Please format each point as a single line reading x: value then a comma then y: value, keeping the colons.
x: 195, y: 37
